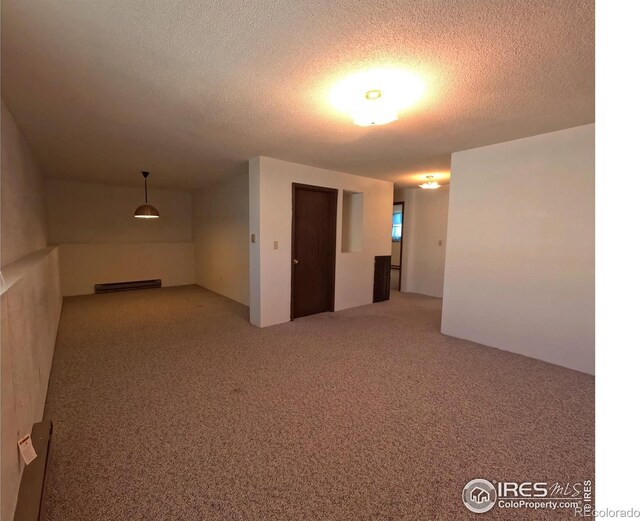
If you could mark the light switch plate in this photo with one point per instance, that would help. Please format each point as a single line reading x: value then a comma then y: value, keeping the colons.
x: 275, y: 245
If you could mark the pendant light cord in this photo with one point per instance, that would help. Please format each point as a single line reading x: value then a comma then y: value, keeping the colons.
x: 145, y: 175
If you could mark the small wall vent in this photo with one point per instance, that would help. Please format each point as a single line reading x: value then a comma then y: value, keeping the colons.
x: 126, y: 286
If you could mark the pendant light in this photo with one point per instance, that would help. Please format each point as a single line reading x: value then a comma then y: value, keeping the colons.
x: 146, y: 211
x: 431, y: 183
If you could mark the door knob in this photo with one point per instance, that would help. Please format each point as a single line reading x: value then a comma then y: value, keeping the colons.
x: 296, y: 261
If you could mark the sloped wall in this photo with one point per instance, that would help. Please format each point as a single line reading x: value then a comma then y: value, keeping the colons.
x: 30, y: 303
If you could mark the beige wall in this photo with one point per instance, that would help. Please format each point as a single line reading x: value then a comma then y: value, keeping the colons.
x: 221, y: 238
x: 30, y: 304
x: 520, y: 255
x: 270, y: 183
x: 352, y: 213
x: 22, y: 205
x: 100, y: 240
x: 90, y: 213
x: 84, y: 265
x: 424, y: 239
x: 395, y: 253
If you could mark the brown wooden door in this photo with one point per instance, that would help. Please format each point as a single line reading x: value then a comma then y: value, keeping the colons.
x: 313, y: 251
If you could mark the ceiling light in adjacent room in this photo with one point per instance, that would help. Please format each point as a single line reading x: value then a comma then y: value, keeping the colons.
x: 376, y: 96
x: 430, y: 183
x: 146, y: 211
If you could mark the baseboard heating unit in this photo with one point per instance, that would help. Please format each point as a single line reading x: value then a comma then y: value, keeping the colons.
x: 126, y: 286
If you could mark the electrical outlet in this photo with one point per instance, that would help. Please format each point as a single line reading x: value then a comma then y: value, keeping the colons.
x: 253, y: 238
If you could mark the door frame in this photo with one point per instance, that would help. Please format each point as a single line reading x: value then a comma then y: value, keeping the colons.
x: 401, y: 203
x: 333, y: 224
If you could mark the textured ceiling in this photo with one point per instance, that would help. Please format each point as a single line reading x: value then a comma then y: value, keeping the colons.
x: 190, y: 90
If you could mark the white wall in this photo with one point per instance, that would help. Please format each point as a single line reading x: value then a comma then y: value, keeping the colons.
x: 424, y: 239
x: 100, y: 240
x: 255, y: 282
x: 270, y: 186
x: 30, y: 304
x: 520, y: 255
x: 221, y: 238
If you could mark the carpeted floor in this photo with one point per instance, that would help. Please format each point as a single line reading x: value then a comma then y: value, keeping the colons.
x: 168, y: 405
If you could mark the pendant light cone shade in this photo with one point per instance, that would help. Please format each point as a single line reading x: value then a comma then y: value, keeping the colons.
x: 146, y: 211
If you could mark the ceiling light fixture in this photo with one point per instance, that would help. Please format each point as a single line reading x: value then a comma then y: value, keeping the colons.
x: 146, y: 211
x: 376, y: 96
x: 430, y: 184
x: 375, y: 112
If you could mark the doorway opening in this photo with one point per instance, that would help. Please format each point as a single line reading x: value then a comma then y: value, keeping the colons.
x: 397, y: 229
x: 313, y: 249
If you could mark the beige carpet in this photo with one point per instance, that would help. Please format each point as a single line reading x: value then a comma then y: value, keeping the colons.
x: 168, y: 405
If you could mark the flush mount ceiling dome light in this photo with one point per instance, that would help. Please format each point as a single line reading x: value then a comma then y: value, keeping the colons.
x: 376, y: 96
x: 430, y: 183
x: 146, y: 211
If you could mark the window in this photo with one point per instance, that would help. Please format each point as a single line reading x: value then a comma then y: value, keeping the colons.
x: 396, y: 230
